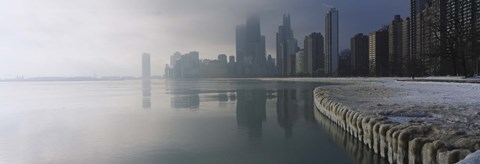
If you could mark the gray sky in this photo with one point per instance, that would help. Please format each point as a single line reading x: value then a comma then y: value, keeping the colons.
x: 107, y: 37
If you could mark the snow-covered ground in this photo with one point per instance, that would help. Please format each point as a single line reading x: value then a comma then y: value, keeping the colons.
x: 449, y: 111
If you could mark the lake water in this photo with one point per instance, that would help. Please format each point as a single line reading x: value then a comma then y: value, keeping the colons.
x: 202, y: 121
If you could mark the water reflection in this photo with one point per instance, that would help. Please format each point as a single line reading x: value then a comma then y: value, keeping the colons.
x: 146, y: 94
x: 291, y: 103
x: 189, y: 101
x: 356, y: 149
x: 251, y: 111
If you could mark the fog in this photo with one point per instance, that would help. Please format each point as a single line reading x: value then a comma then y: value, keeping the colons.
x: 107, y: 37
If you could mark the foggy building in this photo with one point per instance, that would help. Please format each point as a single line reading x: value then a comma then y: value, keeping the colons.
x: 271, y: 68
x: 395, y: 47
x: 290, y: 48
x: 378, y: 53
x: 168, y: 72
x: 222, y: 58
x: 231, y: 66
x: 300, y: 63
x: 251, y: 52
x: 291, y: 65
x: 146, y: 66
x: 314, y: 54
x: 174, y: 58
x: 187, y: 66
x: 240, y: 46
x: 284, y: 34
x: 359, y: 58
x: 231, y: 59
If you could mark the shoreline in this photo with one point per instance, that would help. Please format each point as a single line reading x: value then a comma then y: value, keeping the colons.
x: 415, y: 134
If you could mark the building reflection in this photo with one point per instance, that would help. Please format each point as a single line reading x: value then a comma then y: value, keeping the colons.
x: 146, y: 94
x: 186, y: 101
x: 356, y: 149
x: 292, y: 103
x: 251, y: 111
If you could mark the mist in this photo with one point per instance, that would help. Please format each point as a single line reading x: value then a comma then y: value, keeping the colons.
x: 107, y: 37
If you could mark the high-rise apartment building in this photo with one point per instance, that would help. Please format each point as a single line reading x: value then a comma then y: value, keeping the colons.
x: 314, y: 54
x: 406, y: 62
x: 300, y: 62
x: 395, y: 46
x: 359, y: 58
x: 331, y: 42
x: 378, y: 53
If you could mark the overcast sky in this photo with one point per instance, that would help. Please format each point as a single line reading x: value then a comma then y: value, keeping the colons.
x: 107, y: 37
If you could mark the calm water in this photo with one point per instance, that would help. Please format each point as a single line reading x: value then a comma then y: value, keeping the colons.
x: 206, y: 121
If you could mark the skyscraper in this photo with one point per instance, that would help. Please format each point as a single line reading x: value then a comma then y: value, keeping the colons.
x: 314, y: 54
x: 146, y: 75
x: 406, y: 38
x: 300, y: 63
x: 174, y: 58
x: 222, y: 58
x: 344, y: 63
x: 395, y: 47
x: 289, y: 49
x: 251, y: 52
x: 284, y: 35
x: 378, y: 53
x: 331, y: 42
x: 359, y: 47
x: 416, y: 6
x: 240, y: 45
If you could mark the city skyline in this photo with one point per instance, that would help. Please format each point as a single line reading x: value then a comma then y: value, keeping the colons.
x: 94, y: 38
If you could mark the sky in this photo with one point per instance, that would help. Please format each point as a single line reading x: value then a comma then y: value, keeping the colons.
x: 107, y: 37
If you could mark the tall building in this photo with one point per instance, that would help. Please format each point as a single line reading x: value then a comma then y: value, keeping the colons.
x: 251, y: 52
x: 231, y: 59
x: 406, y: 47
x: 222, y: 58
x: 395, y: 46
x: 174, y: 58
x: 431, y: 28
x: 416, y: 7
x: 331, y: 42
x: 284, y: 35
x: 188, y: 66
x: 378, y: 53
x: 314, y: 54
x: 344, y: 63
x: 300, y: 63
x: 290, y: 48
x: 146, y: 75
x: 359, y: 47
x: 240, y: 45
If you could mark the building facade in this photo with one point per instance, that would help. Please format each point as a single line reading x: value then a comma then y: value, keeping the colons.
x: 314, y: 55
x: 300, y: 63
x: 250, y: 47
x: 378, y: 53
x: 331, y: 42
x: 359, y: 59
x: 284, y: 36
x: 146, y: 74
x: 395, y: 46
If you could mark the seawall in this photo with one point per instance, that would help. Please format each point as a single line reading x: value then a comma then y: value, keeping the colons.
x: 400, y: 139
